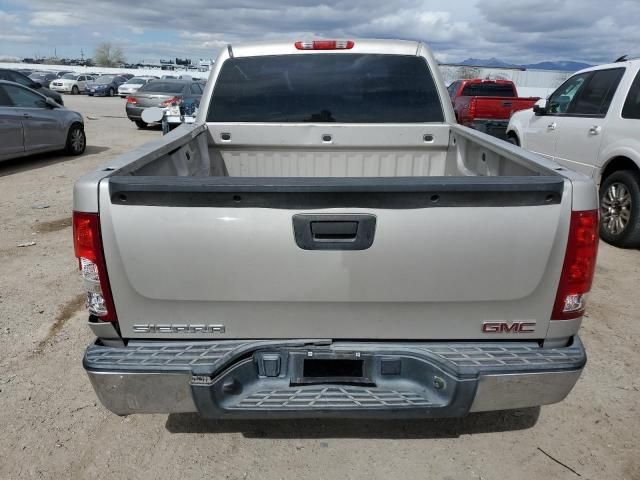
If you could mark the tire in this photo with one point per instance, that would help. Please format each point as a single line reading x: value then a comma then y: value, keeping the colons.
x: 75, y: 90
x: 90, y: 94
x: 620, y: 209
x: 76, y: 140
x: 513, y: 140
x: 141, y: 125
x: 110, y: 93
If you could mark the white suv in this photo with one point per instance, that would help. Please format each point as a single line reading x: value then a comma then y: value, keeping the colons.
x: 591, y: 124
x: 71, y: 83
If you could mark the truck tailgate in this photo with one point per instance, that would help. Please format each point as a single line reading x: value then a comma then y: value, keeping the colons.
x: 500, y: 108
x: 222, y: 258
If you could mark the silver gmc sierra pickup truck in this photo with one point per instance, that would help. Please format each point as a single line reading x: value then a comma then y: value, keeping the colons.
x: 325, y: 240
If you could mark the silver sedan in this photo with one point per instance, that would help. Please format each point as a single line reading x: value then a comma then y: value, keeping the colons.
x: 133, y: 85
x: 32, y: 123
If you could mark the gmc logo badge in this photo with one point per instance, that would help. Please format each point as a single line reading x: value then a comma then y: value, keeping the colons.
x: 505, y: 327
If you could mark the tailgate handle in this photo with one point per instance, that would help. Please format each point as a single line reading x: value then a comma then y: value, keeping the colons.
x: 341, y: 231
x: 334, y: 232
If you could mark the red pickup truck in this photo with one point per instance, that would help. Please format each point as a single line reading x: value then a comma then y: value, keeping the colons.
x: 487, y: 105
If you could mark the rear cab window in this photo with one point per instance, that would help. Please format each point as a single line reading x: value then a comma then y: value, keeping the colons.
x: 488, y: 90
x: 320, y: 88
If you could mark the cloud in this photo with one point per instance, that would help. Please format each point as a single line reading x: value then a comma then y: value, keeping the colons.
x: 11, y: 32
x: 434, y: 27
x: 55, y: 19
x: 588, y: 30
x: 16, y: 37
x: 7, y: 18
x: 523, y: 31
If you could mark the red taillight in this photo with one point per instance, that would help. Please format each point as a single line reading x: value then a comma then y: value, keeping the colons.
x: 473, y: 107
x: 171, y: 101
x: 325, y: 45
x: 132, y: 100
x: 467, y: 114
x: 579, y: 266
x: 87, y: 244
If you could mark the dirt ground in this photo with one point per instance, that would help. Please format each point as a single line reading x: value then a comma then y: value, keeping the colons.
x: 51, y: 425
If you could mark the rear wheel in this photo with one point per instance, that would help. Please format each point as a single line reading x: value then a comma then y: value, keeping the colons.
x: 76, y: 140
x: 620, y: 209
x: 75, y: 90
x: 110, y: 93
x: 141, y: 124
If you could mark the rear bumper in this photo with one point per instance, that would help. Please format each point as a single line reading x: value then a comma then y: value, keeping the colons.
x: 134, y: 113
x: 265, y: 379
x: 100, y: 93
x: 63, y: 88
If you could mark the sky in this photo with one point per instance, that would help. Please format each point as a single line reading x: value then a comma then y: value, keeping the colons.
x: 525, y: 31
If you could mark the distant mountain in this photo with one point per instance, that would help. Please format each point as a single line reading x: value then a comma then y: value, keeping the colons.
x: 565, y: 66
x: 562, y: 65
x: 487, y: 62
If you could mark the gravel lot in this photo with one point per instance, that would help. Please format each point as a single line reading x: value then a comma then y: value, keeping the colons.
x: 51, y: 425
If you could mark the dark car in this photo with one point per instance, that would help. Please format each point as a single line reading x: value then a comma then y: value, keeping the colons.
x: 17, y: 77
x: 43, y: 78
x: 161, y: 93
x: 105, y: 85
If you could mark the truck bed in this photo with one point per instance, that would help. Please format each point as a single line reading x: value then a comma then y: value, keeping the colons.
x: 385, y: 151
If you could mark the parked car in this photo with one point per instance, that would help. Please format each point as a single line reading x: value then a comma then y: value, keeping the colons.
x: 591, y: 124
x: 126, y: 76
x: 487, y: 105
x: 133, y: 85
x: 44, y: 78
x: 439, y: 271
x: 161, y: 93
x: 17, y: 77
x: 72, y: 83
x: 32, y: 123
x: 105, y: 85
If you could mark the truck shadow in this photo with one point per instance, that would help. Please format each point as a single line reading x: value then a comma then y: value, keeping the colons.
x: 489, y: 422
x: 40, y: 160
